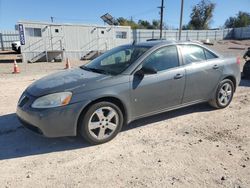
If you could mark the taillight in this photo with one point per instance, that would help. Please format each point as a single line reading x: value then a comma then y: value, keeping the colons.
x: 238, y: 61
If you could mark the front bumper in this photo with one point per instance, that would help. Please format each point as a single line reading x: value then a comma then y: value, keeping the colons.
x: 52, y: 122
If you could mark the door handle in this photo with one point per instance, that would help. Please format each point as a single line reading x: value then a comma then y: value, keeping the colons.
x: 178, y: 76
x: 216, y: 67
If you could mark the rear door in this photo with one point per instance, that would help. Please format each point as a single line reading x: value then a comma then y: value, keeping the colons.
x: 203, y: 72
x: 56, y: 37
x: 162, y: 90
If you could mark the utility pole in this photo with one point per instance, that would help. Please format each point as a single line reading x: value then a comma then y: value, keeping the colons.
x: 181, y: 16
x: 52, y: 19
x: 161, y: 22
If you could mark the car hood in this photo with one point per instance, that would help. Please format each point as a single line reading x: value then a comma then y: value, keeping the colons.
x: 75, y: 80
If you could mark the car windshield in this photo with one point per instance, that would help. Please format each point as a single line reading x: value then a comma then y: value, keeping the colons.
x: 116, y: 60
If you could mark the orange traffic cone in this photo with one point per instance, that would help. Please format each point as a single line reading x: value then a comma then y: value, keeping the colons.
x: 16, y: 68
x: 67, y: 65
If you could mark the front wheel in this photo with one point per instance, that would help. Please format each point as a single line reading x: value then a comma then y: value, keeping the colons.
x: 224, y: 94
x: 101, y: 122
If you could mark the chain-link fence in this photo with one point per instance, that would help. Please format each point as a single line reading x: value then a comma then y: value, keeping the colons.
x: 141, y: 35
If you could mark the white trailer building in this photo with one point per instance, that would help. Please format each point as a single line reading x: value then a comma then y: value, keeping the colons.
x: 50, y: 41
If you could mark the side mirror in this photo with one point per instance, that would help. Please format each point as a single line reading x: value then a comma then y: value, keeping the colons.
x: 146, y: 70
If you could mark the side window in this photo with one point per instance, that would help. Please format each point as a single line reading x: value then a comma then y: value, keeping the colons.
x: 163, y: 59
x: 209, y: 55
x: 121, y: 34
x: 33, y: 32
x: 192, y: 53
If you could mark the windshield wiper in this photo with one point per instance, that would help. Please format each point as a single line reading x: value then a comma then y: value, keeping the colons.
x: 94, y: 70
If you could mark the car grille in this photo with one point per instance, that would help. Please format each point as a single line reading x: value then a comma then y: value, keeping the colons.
x: 23, y: 101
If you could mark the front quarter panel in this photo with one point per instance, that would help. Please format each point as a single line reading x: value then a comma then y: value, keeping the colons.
x: 119, y: 90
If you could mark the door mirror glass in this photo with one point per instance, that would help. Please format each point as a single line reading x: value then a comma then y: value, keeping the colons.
x: 149, y: 69
x: 146, y: 69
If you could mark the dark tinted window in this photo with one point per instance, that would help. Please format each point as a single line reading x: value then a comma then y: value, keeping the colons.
x: 209, y: 55
x: 192, y: 53
x: 163, y: 59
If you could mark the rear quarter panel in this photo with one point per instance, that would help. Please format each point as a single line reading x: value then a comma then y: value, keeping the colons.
x: 231, y: 68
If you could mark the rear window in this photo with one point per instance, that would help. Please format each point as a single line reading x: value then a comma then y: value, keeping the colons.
x: 209, y: 55
x: 192, y: 53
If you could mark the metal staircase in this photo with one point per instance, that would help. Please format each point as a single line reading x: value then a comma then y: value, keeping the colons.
x: 45, y: 50
x: 91, y: 55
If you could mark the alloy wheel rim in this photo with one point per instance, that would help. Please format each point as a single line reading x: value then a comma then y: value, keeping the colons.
x: 225, y: 94
x: 103, y: 123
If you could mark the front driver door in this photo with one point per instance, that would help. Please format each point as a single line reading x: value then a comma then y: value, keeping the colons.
x: 156, y: 92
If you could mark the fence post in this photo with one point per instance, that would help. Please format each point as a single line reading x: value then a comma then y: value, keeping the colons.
x: 187, y: 35
x: 215, y: 33
x: 197, y: 35
x: 139, y: 40
x: 1, y: 38
x: 152, y: 34
x: 241, y: 32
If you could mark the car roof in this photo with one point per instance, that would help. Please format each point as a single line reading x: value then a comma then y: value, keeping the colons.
x: 165, y: 42
x: 158, y: 43
x: 154, y: 43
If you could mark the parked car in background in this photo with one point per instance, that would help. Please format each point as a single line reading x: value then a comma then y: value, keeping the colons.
x: 246, y: 67
x: 124, y: 84
x: 16, y: 46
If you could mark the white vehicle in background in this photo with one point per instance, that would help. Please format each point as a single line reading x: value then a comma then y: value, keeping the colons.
x: 16, y: 46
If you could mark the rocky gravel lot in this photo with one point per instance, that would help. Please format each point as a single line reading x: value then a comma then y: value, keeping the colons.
x: 192, y: 147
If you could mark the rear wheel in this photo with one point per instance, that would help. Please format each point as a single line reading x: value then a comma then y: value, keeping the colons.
x: 101, y: 122
x: 224, y: 94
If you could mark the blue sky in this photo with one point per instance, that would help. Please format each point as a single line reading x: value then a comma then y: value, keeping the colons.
x: 89, y: 11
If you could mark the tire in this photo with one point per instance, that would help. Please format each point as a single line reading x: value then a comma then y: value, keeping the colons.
x: 96, y: 127
x: 224, y: 94
x: 246, y: 69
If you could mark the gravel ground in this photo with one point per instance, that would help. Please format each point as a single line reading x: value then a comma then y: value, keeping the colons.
x: 192, y: 147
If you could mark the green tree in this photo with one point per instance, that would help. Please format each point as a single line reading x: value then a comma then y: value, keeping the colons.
x: 125, y: 22
x: 141, y: 24
x: 242, y: 19
x: 156, y: 24
x: 201, y: 15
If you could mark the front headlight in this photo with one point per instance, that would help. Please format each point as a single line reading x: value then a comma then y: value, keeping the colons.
x: 52, y: 100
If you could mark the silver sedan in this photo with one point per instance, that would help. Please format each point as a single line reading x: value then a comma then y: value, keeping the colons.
x: 124, y: 84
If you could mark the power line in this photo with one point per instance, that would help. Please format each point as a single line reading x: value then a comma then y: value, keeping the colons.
x: 144, y: 12
x: 73, y: 19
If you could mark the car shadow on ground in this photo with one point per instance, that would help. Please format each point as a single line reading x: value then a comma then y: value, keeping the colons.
x: 204, y: 107
x: 16, y: 141
x: 245, y: 82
